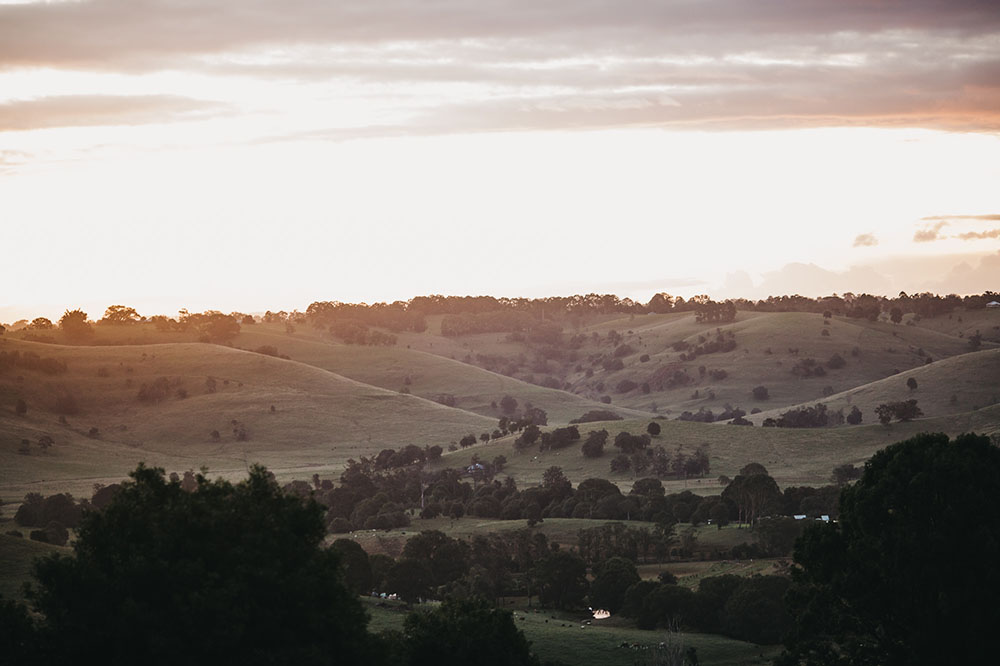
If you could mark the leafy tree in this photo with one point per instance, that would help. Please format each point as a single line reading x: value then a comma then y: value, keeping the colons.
x: 844, y: 473
x: 760, y: 393
x: 233, y: 573
x: 508, y: 404
x: 911, y: 384
x: 354, y: 564
x: 872, y: 589
x: 854, y: 418
x: 409, y: 578
x: 447, y: 558
x: 611, y: 580
x: 562, y: 580
x: 119, y: 315
x: 895, y: 315
x: 756, y: 610
x: 40, y: 324
x: 905, y: 410
x: 464, y: 632
x: 75, y: 326
x: 593, y: 447
x: 653, y: 428
x: 555, y: 481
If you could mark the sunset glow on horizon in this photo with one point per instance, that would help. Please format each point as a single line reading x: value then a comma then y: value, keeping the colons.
x: 258, y: 155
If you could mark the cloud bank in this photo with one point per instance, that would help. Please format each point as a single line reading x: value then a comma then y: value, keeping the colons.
x: 455, y: 65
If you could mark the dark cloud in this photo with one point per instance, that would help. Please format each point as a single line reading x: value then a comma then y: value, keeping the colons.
x: 979, y: 235
x: 724, y: 64
x: 87, y: 110
x: 929, y: 233
x: 865, y: 240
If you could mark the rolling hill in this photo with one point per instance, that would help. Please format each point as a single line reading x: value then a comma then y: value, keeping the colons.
x: 294, y: 414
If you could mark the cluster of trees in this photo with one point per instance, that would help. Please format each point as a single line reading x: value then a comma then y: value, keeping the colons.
x: 904, y: 410
x: 210, y: 326
x: 710, y: 311
x: 354, y: 332
x: 724, y: 341
x: 749, y: 609
x: 598, y: 415
x: 817, y: 416
x: 334, y: 315
x: 53, y: 514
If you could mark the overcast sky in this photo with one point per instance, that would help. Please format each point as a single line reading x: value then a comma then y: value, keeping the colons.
x: 251, y: 155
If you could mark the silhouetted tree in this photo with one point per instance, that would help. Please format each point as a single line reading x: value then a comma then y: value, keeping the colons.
x: 460, y: 632
x: 871, y: 589
x: 230, y: 572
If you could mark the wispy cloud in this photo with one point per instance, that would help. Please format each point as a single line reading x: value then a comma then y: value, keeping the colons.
x: 865, y: 240
x: 84, y: 110
x: 979, y: 235
x: 929, y: 233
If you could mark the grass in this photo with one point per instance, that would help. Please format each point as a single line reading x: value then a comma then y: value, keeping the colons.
x: 565, y: 638
x: 957, y: 384
x: 16, y: 557
x: 792, y: 456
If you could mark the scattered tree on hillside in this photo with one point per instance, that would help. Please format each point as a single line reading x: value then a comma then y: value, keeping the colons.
x: 653, y: 428
x: 760, y: 393
x: 20, y: 407
x: 854, y: 418
x: 593, y: 447
x: 895, y: 315
x: 508, y: 404
x: 905, y: 410
x: 911, y: 383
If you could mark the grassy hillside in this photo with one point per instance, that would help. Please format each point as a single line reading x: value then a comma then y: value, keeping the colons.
x: 296, y: 416
x: 792, y: 456
x: 16, y: 556
x: 957, y: 384
x: 429, y: 375
x: 768, y: 347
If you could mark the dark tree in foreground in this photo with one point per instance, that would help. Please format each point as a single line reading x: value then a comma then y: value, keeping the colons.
x: 458, y: 633
x: 226, y: 573
x: 908, y: 575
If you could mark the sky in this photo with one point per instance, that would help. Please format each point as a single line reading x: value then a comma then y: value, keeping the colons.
x: 251, y: 155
